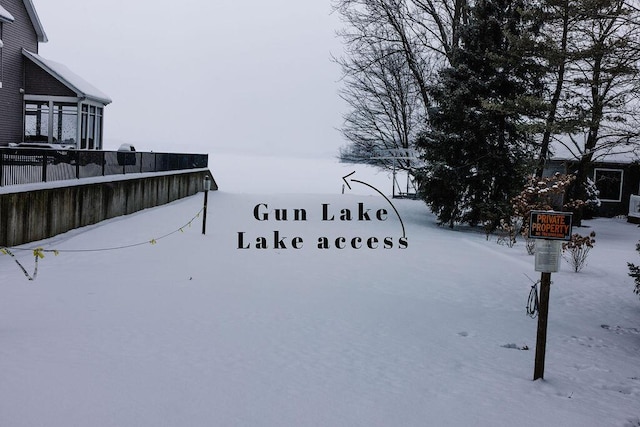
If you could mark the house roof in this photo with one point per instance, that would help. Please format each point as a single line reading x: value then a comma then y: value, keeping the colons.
x: 37, y: 25
x: 564, y: 147
x: 70, y: 79
x: 5, y: 16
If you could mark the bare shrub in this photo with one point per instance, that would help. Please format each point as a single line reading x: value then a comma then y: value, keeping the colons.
x: 530, y: 245
x: 508, y: 231
x: 576, y: 250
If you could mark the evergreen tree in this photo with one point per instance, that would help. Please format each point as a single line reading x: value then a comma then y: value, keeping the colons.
x: 477, y: 148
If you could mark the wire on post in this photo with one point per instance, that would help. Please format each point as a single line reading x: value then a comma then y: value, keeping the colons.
x: 532, y: 303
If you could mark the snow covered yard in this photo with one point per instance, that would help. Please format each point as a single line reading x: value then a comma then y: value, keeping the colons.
x: 195, y: 331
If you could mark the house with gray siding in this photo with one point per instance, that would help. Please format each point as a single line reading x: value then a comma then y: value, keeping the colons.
x: 42, y: 100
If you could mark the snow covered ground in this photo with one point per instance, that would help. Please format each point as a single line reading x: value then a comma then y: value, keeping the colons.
x: 194, y: 331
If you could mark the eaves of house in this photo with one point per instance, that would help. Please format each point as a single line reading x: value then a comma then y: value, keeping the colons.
x: 37, y: 25
x: 5, y: 16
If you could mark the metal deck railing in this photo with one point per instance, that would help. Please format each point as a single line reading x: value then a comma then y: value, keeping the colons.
x: 32, y: 165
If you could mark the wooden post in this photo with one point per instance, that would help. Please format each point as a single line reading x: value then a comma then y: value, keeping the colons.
x: 543, y: 315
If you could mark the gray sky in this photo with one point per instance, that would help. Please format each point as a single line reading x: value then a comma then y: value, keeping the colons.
x: 200, y: 75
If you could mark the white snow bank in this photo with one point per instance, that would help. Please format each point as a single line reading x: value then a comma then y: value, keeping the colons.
x: 192, y: 331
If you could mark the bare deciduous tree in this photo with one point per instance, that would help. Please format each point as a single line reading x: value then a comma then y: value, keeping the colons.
x: 393, y: 50
x: 602, y: 83
x: 385, y: 111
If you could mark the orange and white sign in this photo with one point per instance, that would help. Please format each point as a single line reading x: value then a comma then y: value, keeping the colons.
x: 550, y: 225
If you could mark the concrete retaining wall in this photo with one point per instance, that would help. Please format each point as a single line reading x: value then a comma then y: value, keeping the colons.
x: 28, y: 216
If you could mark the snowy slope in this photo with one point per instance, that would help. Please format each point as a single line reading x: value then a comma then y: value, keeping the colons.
x: 193, y: 331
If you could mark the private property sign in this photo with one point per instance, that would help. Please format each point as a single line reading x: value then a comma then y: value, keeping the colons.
x: 550, y: 225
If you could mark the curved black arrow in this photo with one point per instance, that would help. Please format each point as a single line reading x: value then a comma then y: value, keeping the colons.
x: 344, y: 178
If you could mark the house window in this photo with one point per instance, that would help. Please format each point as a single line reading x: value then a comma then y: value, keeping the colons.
x: 49, y: 121
x: 83, y: 126
x: 36, y: 122
x: 65, y: 123
x: 609, y: 184
x: 91, y: 127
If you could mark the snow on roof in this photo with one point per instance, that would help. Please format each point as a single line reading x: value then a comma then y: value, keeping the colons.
x: 5, y: 16
x: 571, y: 147
x: 37, y: 25
x: 68, y: 78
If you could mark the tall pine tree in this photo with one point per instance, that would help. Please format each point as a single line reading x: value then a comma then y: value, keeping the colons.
x: 477, y: 148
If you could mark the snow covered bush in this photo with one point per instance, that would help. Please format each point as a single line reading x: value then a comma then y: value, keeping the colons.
x: 593, y: 196
x: 576, y: 250
x: 634, y: 271
x: 542, y: 194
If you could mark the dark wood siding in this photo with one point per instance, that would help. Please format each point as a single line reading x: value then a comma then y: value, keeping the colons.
x: 630, y: 183
x: 39, y: 82
x: 16, y: 35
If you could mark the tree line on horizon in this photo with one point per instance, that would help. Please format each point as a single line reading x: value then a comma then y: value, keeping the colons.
x: 484, y: 89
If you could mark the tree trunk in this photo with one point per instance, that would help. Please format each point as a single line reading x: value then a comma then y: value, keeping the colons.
x: 553, y: 106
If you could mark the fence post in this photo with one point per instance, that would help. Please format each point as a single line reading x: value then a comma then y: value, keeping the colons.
x: 44, y: 166
x: 1, y: 168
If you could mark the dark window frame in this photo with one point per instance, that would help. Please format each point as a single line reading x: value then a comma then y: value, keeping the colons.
x: 606, y: 174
